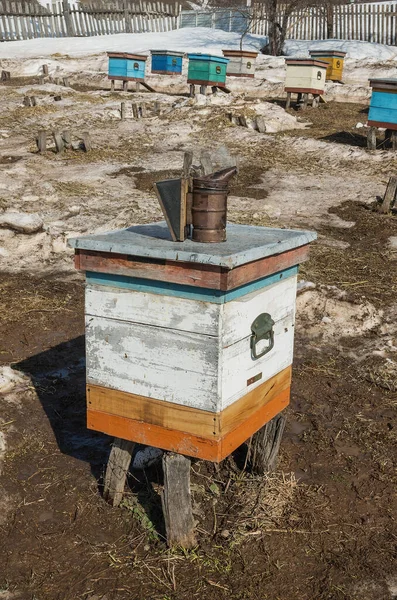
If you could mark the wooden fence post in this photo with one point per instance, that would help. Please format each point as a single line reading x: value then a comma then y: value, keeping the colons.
x: 68, y: 19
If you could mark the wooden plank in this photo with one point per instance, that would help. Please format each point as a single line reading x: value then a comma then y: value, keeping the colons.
x: 237, y: 413
x: 186, y: 419
x: 176, y: 501
x: 196, y: 275
x: 187, y: 444
x: 116, y: 471
x: 203, y: 423
x: 127, y: 356
x: 154, y: 310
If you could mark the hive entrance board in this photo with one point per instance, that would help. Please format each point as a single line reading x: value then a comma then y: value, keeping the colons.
x: 171, y: 194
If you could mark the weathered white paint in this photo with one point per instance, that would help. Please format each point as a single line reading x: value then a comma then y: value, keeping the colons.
x: 240, y: 65
x: 305, y: 77
x: 155, y: 362
x: 161, y: 311
x: 185, y: 351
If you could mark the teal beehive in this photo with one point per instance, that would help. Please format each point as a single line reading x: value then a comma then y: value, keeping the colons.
x: 126, y: 67
x: 166, y: 62
x: 383, y: 105
x: 205, y: 69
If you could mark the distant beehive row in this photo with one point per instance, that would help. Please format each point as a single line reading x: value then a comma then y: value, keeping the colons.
x: 303, y: 75
x: 204, y: 69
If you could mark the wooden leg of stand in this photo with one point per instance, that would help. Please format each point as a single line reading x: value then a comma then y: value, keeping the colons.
x: 176, y: 501
x: 288, y: 103
x: 117, y: 469
x: 265, y: 444
x: 371, y: 138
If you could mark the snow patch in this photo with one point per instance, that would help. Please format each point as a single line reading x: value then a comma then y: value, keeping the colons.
x: 325, y: 314
x: 21, y: 222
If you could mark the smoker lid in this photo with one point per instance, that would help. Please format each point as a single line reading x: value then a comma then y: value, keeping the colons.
x: 245, y: 243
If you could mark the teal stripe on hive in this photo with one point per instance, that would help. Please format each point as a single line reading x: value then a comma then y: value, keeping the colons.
x: 164, y: 288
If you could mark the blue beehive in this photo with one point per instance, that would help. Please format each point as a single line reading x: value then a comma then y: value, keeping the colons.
x: 383, y: 106
x: 165, y: 62
x: 126, y: 67
x: 205, y: 69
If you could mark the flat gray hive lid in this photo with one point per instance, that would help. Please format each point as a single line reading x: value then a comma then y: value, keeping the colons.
x: 244, y: 244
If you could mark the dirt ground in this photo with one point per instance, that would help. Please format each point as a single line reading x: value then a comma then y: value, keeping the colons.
x: 322, y: 527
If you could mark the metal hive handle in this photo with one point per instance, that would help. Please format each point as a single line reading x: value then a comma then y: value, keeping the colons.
x: 262, y: 329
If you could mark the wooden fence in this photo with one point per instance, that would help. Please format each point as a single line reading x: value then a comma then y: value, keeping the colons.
x: 365, y: 22
x: 24, y: 20
x: 21, y: 19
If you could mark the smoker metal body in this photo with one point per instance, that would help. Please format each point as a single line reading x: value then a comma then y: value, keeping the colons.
x: 189, y: 346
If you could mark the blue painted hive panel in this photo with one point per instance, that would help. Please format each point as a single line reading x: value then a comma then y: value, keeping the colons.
x: 383, y: 107
x: 136, y: 69
x: 167, y: 63
x: 118, y: 67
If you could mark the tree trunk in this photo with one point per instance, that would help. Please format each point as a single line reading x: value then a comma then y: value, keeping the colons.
x: 330, y: 21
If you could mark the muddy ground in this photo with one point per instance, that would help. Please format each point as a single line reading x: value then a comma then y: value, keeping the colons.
x: 323, y: 526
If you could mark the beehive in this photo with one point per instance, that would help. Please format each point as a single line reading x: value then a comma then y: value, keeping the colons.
x: 335, y: 60
x: 383, y: 105
x: 126, y: 67
x: 189, y: 346
x: 241, y: 63
x: 205, y: 69
x: 305, y: 76
x: 165, y: 62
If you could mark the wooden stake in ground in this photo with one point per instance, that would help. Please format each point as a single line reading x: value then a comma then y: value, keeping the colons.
x: 176, y: 501
x: 5, y: 75
x: 58, y: 141
x: 86, y: 141
x: 116, y: 471
x: 112, y: 85
x: 45, y: 70
x: 41, y: 141
x: 123, y: 111
x: 389, y: 198
x: 371, y: 138
x: 67, y: 139
x: 265, y: 444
